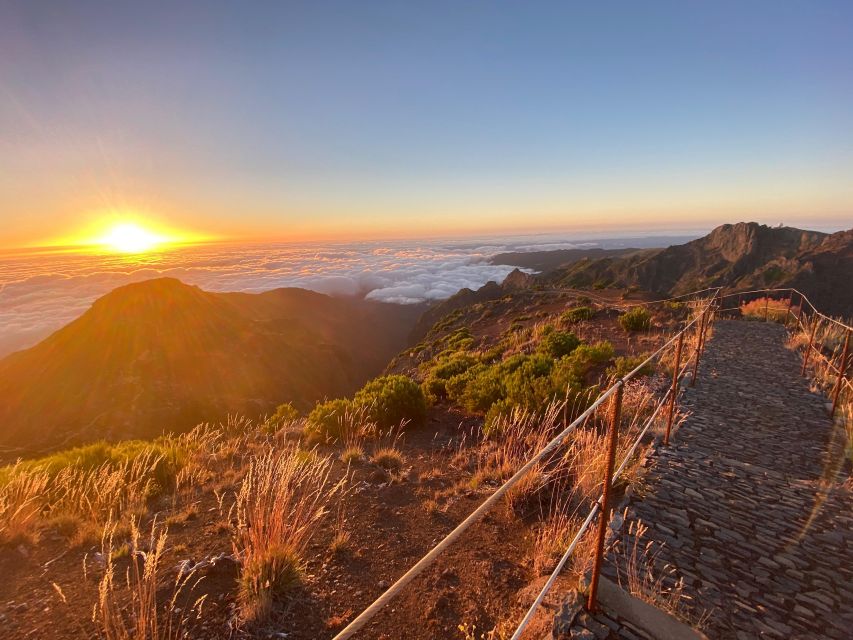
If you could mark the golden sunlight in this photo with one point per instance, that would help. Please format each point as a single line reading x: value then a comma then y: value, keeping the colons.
x: 128, y: 237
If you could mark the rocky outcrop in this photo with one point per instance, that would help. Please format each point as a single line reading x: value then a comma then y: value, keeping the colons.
x: 736, y: 256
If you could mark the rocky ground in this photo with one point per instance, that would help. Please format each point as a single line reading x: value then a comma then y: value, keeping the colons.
x: 752, y: 505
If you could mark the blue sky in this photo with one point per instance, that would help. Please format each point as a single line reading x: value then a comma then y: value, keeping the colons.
x: 332, y: 118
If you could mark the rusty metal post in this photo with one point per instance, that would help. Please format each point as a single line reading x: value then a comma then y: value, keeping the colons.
x: 709, y: 320
x: 800, y: 313
x: 716, y: 305
x: 674, y: 389
x: 698, y: 349
x: 788, y: 311
x: 809, y: 347
x: 842, y: 373
x: 604, y: 516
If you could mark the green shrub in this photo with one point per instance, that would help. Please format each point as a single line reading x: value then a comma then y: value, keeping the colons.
x: 566, y: 374
x: 390, y: 400
x: 498, y: 409
x: 459, y: 339
x: 636, y: 319
x: 478, y: 390
x: 284, y: 413
x: 624, y: 365
x: 492, y: 355
x: 329, y: 418
x: 528, y: 387
x: 170, y: 452
x: 576, y: 314
x: 453, y: 365
x: 559, y: 343
x: 448, y: 366
x: 434, y: 388
x: 589, y: 355
x: 570, y: 371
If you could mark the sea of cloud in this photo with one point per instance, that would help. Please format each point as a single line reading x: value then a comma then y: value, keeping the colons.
x: 41, y: 292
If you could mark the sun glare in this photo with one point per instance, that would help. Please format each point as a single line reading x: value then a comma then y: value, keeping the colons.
x: 131, y: 238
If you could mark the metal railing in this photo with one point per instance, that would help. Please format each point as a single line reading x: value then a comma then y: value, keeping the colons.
x: 699, y: 322
x: 807, y: 314
x: 709, y: 308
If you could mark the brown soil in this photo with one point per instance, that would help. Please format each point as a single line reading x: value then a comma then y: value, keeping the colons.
x: 390, y: 529
x: 485, y: 579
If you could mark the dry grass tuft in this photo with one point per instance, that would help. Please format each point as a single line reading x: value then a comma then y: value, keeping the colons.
x: 431, y: 506
x: 502, y: 631
x: 352, y: 455
x: 824, y: 362
x: 649, y: 579
x: 21, y: 500
x: 283, y: 498
x: 776, y: 310
x: 389, y: 458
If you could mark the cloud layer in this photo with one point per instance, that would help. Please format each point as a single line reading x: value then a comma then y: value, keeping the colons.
x: 40, y: 293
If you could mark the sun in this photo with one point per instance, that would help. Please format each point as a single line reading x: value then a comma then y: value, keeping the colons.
x: 129, y: 237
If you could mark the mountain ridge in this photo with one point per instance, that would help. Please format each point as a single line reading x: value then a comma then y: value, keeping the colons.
x: 161, y: 355
x: 735, y: 256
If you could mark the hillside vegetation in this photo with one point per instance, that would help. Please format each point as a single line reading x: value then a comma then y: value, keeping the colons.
x: 163, y: 356
x: 275, y: 525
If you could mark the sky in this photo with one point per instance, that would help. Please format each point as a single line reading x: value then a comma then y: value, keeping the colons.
x: 355, y: 120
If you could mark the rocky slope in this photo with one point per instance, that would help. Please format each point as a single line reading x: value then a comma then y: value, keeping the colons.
x: 739, y: 256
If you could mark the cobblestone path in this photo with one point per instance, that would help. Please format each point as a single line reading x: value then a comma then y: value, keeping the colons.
x: 748, y: 504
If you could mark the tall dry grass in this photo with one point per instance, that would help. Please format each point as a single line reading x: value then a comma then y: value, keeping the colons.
x: 127, y: 607
x: 512, y: 440
x: 824, y: 363
x: 281, y: 501
x: 773, y: 309
x: 646, y: 577
x: 21, y: 499
x: 78, y: 491
x: 553, y: 538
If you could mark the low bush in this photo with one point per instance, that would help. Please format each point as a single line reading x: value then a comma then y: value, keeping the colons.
x: 559, y: 343
x: 528, y: 381
x: 636, y: 319
x: 392, y: 400
x: 576, y: 314
x: 285, y: 413
x: 478, y: 388
x: 330, y: 419
x: 435, y: 383
x: 624, y: 365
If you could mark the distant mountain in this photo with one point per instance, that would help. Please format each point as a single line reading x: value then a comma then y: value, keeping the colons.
x: 736, y: 256
x: 550, y: 260
x: 466, y: 297
x: 161, y: 355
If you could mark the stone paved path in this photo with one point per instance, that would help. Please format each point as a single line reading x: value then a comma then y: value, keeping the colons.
x: 741, y: 504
